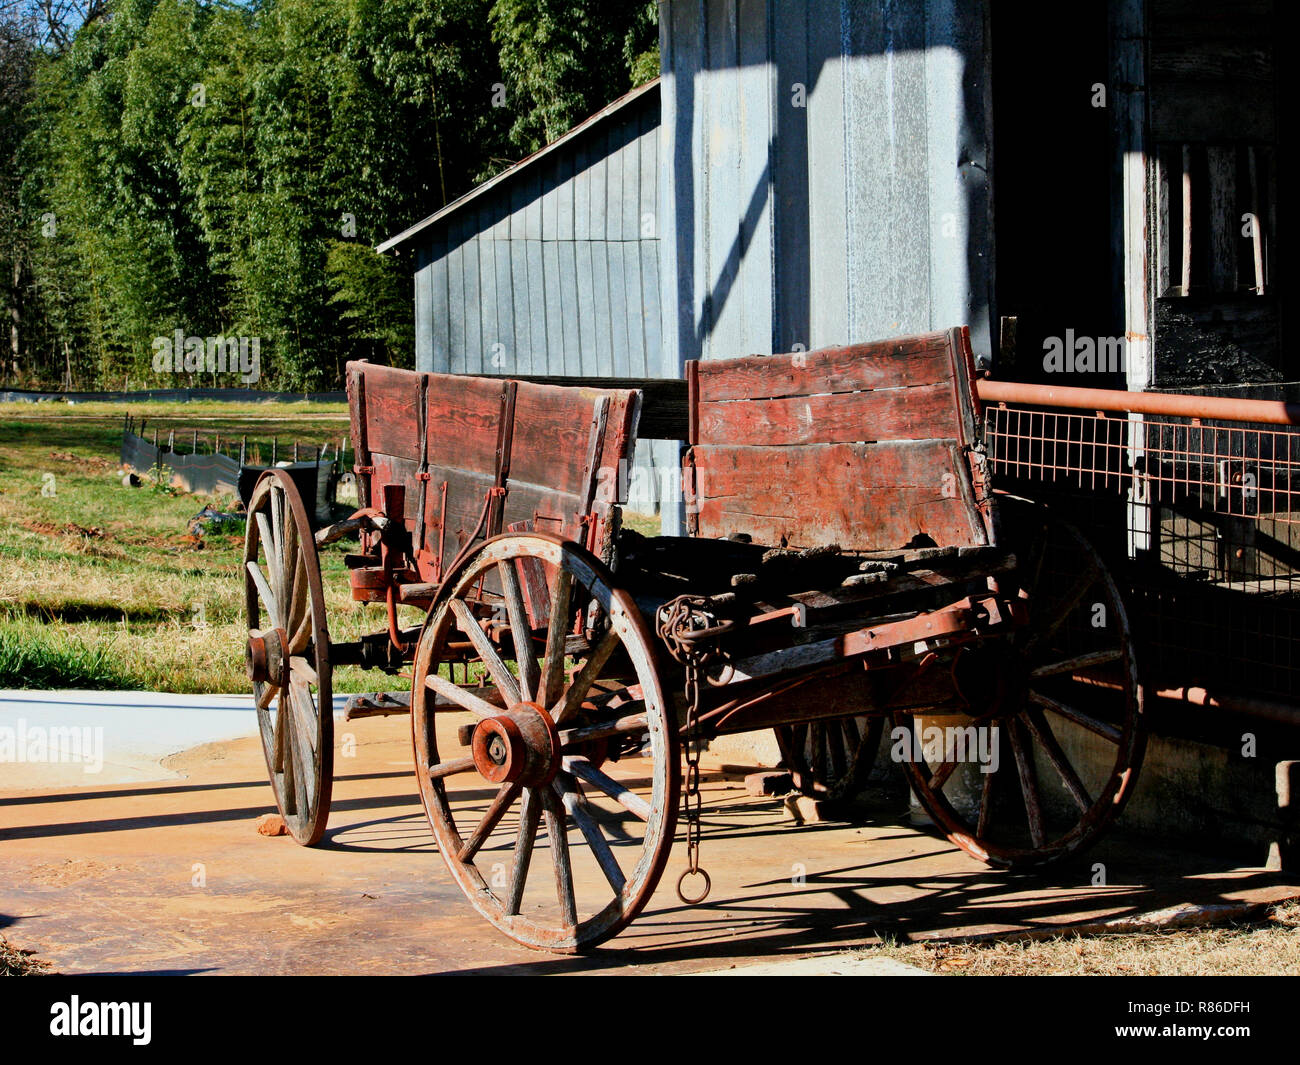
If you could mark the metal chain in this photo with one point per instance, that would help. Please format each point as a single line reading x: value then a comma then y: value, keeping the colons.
x: 692, y: 802
x: 689, y: 631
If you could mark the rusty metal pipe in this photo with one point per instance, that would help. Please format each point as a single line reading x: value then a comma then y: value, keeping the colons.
x: 1264, y: 709
x: 1270, y: 412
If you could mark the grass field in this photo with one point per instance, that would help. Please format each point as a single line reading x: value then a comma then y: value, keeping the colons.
x: 100, y: 584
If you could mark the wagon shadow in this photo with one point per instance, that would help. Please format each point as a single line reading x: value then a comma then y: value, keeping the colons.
x: 903, y: 898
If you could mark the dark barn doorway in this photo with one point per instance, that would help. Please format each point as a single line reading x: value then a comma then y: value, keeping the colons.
x: 1052, y: 191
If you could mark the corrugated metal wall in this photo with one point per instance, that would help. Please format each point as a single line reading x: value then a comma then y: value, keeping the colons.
x: 825, y: 173
x: 554, y: 270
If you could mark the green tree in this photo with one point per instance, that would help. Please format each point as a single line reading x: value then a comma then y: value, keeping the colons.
x: 564, y: 59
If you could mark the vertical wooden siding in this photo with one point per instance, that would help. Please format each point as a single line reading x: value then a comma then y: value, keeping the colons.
x: 829, y: 163
x: 556, y: 269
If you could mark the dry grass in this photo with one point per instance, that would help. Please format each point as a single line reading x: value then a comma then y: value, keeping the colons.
x: 1270, y: 947
x: 14, y: 962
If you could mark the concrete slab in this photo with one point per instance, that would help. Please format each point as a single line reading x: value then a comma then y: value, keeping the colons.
x: 91, y: 738
x: 171, y: 876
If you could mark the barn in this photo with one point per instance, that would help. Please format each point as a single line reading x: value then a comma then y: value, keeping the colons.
x: 1095, y: 192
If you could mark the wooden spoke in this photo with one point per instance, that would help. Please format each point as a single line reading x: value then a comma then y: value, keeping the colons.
x: 503, y: 801
x: 629, y: 800
x: 447, y: 769
x: 497, y: 669
x: 456, y: 694
x: 573, y: 737
x: 304, y: 713
x: 1078, y: 663
x: 576, y: 807
x: 835, y: 747
x: 818, y: 732
x: 300, y: 751
x: 281, y: 724
x: 1028, y: 784
x: 530, y: 812
x: 300, y: 669
x: 577, y: 691
x: 1062, y: 610
x: 986, y: 804
x: 269, y: 692
x: 264, y: 591
x: 940, y: 776
x: 277, y: 519
x: 301, y: 638
x: 298, y: 597
x: 272, y: 554
x: 555, y: 830
x: 1097, y: 727
x: 1041, y: 731
x: 852, y: 738
x: 556, y: 630
x: 520, y: 632
x: 289, y: 772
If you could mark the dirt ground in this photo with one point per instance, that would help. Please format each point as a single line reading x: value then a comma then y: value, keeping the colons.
x: 172, y: 877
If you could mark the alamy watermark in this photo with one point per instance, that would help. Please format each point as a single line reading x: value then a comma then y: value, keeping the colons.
x: 77, y: 1018
x: 1085, y: 354
x: 56, y: 744
x: 179, y: 353
x: 947, y: 743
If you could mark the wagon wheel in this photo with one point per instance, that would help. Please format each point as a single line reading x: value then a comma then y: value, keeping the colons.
x: 544, y: 745
x: 1066, y: 705
x: 830, y: 758
x: 289, y: 661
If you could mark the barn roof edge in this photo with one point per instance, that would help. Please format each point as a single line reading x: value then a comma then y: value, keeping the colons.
x: 587, y: 123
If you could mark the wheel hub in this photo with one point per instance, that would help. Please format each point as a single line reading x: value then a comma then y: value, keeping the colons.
x: 265, y: 657
x: 990, y: 680
x: 520, y: 745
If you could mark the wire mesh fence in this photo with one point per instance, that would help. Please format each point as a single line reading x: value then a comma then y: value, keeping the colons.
x: 1199, y: 517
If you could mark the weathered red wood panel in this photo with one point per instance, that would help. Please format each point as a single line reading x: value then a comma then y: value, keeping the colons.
x: 859, y: 496
x: 464, y: 422
x: 552, y: 432
x: 557, y: 450
x: 392, y: 399
x: 904, y: 362
x: 920, y: 412
x: 865, y: 446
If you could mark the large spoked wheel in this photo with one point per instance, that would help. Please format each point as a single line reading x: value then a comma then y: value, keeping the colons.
x: 1056, y: 747
x: 568, y: 730
x: 288, y: 655
x: 831, y: 759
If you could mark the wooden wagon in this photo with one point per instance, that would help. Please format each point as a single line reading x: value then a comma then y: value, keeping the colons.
x: 848, y: 568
